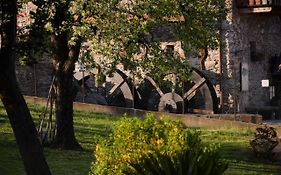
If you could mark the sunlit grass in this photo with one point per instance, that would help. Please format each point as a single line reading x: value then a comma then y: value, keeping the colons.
x: 91, y: 127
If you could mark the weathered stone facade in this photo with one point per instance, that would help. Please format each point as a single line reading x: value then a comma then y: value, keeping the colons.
x: 236, y: 69
x: 243, y: 71
x: 237, y: 73
x: 35, y: 80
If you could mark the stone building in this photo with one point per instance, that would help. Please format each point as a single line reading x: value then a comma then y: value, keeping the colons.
x: 240, y: 70
x: 250, y: 38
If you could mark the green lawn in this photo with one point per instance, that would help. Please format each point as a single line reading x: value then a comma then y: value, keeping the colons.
x: 237, y: 151
x: 90, y: 127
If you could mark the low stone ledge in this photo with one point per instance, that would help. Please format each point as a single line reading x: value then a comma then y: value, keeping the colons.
x: 267, y: 112
x: 191, y: 120
x: 248, y: 118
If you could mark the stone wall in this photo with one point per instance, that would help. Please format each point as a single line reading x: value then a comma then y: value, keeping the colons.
x: 193, y: 120
x: 35, y: 80
x: 242, y: 72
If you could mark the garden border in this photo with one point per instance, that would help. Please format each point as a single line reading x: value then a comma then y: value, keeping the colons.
x: 214, y: 121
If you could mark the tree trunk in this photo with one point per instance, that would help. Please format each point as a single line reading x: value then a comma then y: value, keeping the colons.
x: 64, y: 62
x: 65, y: 137
x: 14, y: 103
x: 64, y: 58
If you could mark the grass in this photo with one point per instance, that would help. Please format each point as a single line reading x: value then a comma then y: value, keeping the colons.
x: 237, y: 152
x: 90, y: 127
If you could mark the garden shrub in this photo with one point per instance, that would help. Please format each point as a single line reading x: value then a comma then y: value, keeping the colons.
x: 265, y: 141
x: 155, y: 147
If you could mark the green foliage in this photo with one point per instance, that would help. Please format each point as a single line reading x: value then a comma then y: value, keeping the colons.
x: 150, y: 146
x: 32, y: 39
x: 53, y: 18
x: 265, y: 141
x: 124, y: 32
x: 266, y: 133
x: 187, y: 162
x: 129, y: 34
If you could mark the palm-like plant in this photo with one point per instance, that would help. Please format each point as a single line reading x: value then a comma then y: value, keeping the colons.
x: 187, y: 162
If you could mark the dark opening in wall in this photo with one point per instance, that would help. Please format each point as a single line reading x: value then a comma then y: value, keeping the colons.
x: 253, y: 51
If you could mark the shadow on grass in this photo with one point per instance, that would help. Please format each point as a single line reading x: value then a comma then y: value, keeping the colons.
x: 243, y: 161
x: 248, y: 168
x: 10, y: 160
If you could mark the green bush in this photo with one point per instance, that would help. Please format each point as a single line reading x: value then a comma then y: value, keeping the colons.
x: 265, y: 141
x: 151, y: 146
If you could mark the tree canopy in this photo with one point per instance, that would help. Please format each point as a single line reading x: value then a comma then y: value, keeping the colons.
x: 122, y: 31
x: 128, y: 32
x: 114, y: 34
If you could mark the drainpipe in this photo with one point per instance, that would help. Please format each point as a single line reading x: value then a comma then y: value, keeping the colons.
x: 221, y: 69
x: 35, y: 79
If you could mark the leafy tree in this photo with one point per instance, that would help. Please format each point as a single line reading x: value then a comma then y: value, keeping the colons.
x: 14, y: 103
x: 128, y: 32
x: 56, y: 25
x: 122, y: 32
